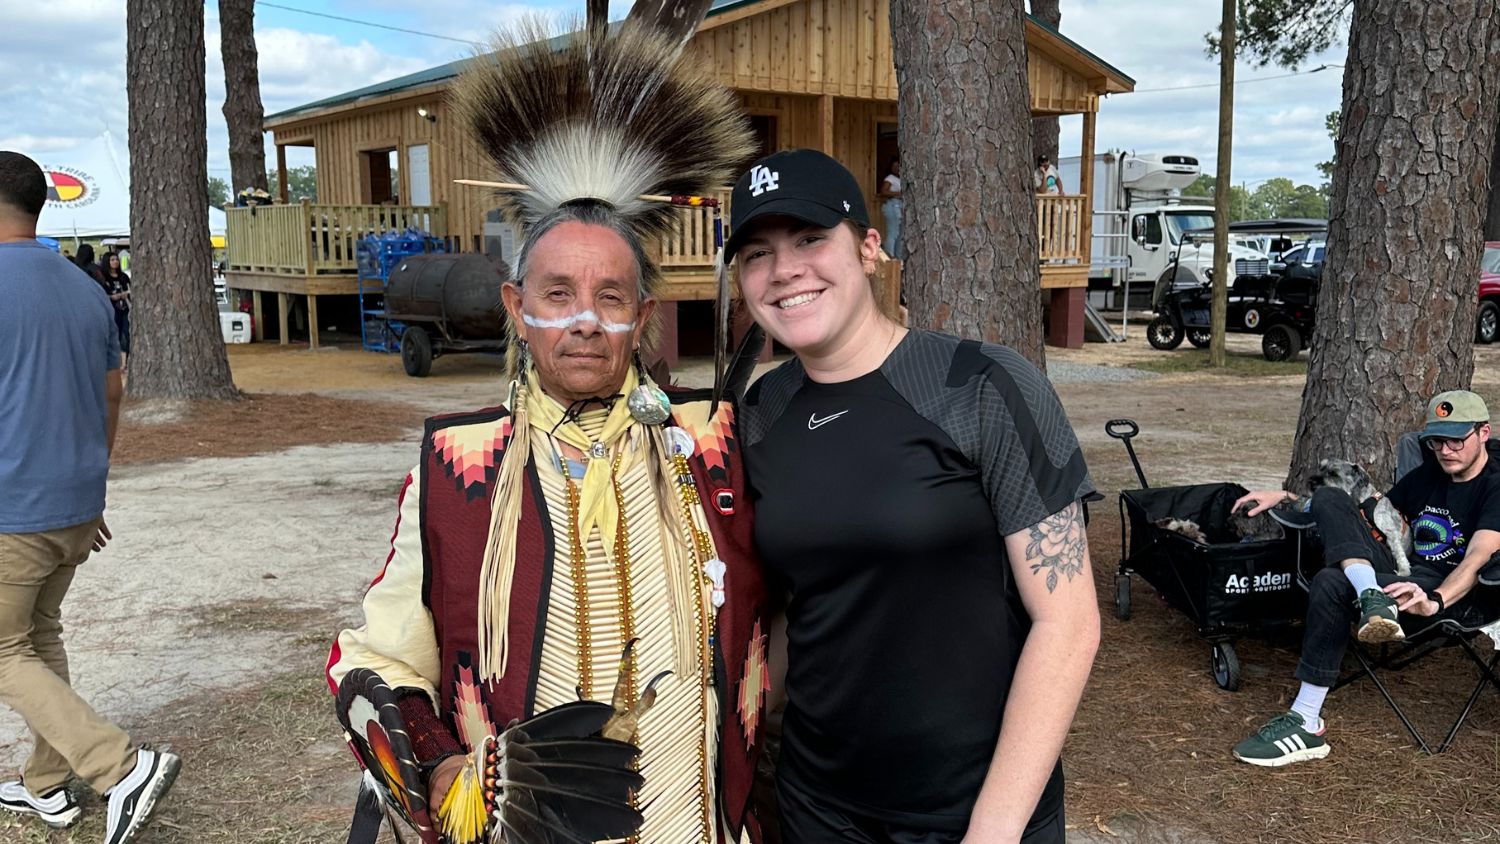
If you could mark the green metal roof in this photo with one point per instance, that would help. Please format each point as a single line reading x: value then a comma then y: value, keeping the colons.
x: 452, y: 69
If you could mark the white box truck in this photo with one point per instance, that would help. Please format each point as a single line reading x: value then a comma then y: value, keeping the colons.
x: 1139, y: 217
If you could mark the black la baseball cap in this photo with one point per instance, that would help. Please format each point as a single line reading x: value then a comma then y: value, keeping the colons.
x: 800, y: 183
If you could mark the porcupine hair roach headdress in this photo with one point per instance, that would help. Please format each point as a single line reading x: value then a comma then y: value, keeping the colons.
x: 612, y: 127
x: 602, y: 117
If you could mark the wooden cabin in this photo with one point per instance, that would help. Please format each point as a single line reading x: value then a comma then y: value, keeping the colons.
x: 810, y: 73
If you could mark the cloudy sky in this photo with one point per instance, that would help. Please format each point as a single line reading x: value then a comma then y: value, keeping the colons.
x: 62, y: 73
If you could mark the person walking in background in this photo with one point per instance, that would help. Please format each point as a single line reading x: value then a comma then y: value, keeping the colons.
x: 890, y: 206
x: 86, y: 263
x: 61, y: 381
x: 117, y: 285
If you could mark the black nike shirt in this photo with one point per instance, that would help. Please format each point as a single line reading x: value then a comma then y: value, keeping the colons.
x: 883, y: 503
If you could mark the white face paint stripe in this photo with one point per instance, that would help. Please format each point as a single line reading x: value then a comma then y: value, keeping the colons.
x: 570, y: 321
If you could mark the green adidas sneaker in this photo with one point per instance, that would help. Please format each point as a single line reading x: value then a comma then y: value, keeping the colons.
x: 1281, y: 741
x: 1377, y: 618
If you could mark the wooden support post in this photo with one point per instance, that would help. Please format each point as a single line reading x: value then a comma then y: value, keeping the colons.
x: 312, y: 321
x: 284, y: 305
x: 825, y: 124
x: 666, y: 342
x: 257, y: 315
x: 1065, y: 321
x: 281, y: 180
x: 1086, y: 184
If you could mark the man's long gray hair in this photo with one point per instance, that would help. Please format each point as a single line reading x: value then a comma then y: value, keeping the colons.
x: 590, y: 213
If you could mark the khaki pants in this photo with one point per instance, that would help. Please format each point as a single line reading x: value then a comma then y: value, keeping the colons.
x: 35, y: 572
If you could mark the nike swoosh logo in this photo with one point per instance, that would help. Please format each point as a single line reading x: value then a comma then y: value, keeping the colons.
x: 814, y: 423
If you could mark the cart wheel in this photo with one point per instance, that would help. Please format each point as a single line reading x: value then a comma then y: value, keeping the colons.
x: 1282, y: 342
x: 1164, y: 333
x: 1200, y: 339
x: 416, y: 352
x: 1226, y: 665
x: 1122, y: 597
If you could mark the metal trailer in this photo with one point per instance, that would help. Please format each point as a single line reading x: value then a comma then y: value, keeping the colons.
x: 442, y: 304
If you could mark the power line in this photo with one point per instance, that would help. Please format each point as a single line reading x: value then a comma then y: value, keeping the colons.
x: 1237, y: 82
x: 366, y: 23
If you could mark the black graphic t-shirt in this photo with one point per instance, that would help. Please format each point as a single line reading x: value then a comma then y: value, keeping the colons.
x: 1444, y: 513
x: 883, y: 503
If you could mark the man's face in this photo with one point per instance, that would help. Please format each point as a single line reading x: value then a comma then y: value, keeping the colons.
x: 1457, y: 455
x: 579, y: 308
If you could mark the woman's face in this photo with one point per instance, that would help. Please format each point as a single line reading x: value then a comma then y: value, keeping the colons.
x: 806, y: 285
x: 114, y: 261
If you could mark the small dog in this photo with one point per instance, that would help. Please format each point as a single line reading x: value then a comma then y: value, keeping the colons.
x: 1186, y: 527
x: 1254, y: 528
x: 1353, y: 479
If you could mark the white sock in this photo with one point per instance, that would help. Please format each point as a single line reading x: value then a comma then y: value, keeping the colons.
x: 1309, y: 704
x: 1362, y: 575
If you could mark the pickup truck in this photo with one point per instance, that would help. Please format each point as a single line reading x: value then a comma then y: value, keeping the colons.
x: 1487, y: 324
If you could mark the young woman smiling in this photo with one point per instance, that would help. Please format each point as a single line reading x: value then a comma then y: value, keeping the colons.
x: 918, y: 496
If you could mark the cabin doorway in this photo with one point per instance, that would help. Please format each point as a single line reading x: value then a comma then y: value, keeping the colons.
x: 380, y: 176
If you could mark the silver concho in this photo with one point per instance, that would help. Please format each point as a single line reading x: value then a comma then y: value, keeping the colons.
x: 598, y: 451
x: 649, y: 405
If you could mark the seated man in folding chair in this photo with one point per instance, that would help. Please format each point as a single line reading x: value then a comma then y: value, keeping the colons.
x: 1453, y: 505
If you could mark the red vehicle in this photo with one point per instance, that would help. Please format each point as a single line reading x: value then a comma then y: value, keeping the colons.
x: 1487, y: 328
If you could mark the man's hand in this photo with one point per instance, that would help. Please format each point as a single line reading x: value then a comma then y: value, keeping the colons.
x: 441, y: 780
x: 103, y: 537
x: 1411, y: 598
x: 1262, y: 500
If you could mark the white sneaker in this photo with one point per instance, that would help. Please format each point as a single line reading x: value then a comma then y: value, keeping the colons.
x: 57, y: 808
x: 132, y: 799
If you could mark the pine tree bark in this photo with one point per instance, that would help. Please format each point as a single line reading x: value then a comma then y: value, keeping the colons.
x: 1044, y: 130
x: 242, y: 107
x: 1396, y: 305
x: 177, y: 350
x: 969, y: 225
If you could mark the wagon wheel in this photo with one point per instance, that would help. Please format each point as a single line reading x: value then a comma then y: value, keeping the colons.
x: 1226, y: 667
x: 1122, y: 597
x: 416, y: 352
x: 1200, y: 338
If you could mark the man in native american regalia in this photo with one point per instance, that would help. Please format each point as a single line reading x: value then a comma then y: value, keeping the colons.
x: 590, y: 540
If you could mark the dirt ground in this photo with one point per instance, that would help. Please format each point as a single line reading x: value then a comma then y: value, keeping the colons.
x: 204, y: 625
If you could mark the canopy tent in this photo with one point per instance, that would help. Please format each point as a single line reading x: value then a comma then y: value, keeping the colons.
x: 88, y: 193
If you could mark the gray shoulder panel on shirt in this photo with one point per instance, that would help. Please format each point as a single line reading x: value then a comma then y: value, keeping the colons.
x: 767, y: 399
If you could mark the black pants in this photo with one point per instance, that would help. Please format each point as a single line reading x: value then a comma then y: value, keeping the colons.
x: 1331, y: 603
x: 807, y: 819
x: 122, y: 325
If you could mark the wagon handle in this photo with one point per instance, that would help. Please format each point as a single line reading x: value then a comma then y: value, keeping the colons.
x: 1124, y: 430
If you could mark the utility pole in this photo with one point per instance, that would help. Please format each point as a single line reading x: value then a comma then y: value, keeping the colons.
x: 1219, y: 311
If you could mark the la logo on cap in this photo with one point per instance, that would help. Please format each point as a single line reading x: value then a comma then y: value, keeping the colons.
x: 762, y: 179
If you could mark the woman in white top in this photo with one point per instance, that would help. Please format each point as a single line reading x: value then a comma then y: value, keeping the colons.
x: 890, y: 194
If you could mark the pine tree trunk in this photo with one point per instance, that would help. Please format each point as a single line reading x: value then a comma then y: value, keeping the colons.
x: 1396, y: 306
x: 177, y: 351
x: 1044, y: 130
x: 969, y: 226
x: 242, y: 108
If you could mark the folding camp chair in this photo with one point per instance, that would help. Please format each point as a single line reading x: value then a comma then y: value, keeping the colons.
x: 1457, y: 628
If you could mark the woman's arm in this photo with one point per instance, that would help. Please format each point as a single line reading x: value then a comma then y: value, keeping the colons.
x: 1050, y: 563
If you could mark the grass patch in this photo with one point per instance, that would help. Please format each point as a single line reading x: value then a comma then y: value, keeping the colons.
x: 1196, y: 361
x: 258, y: 615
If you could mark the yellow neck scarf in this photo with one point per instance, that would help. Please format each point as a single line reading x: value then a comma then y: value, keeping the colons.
x: 597, y: 504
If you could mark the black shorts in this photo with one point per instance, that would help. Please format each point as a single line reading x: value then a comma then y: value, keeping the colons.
x: 808, y: 819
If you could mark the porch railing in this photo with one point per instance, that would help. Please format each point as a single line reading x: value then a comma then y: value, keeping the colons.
x: 308, y: 239
x: 1059, y: 229
x: 693, y: 243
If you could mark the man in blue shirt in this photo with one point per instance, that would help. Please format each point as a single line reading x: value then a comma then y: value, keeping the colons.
x: 60, y: 376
